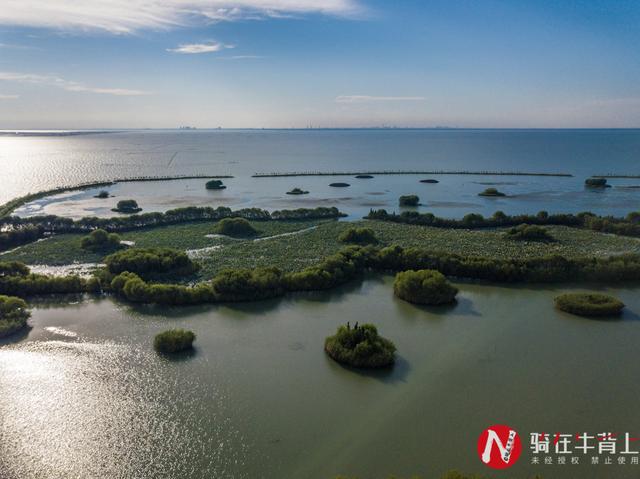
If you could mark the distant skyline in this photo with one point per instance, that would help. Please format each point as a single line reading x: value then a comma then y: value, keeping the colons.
x: 331, y: 64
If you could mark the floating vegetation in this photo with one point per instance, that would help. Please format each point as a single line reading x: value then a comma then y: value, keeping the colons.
x: 589, y: 304
x: 339, y: 185
x: 297, y: 191
x: 102, y: 195
x: 491, y: 192
x: 429, y: 180
x: 364, y: 177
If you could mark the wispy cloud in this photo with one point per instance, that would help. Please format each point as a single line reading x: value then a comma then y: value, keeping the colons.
x: 9, y: 97
x: 370, y: 99
x: 193, y: 48
x: 66, y: 84
x: 129, y: 16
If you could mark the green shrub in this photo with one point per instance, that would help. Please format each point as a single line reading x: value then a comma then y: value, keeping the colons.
x: 424, y: 287
x: 100, y: 240
x: 409, y: 200
x: 174, y: 341
x: 214, y: 185
x: 528, y: 233
x: 596, y: 182
x: 491, y: 192
x: 297, y: 191
x: 150, y: 262
x: 248, y: 285
x: 360, y: 347
x: 127, y: 206
x: 13, y: 315
x: 102, y: 195
x: 358, y: 236
x: 589, y: 304
x: 235, y: 227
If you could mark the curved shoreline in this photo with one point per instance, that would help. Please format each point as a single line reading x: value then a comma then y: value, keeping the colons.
x: 10, y: 206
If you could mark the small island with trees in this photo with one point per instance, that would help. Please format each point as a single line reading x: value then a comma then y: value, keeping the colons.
x: 297, y: 191
x: 360, y: 346
x: 214, y: 185
x: 14, y: 314
x: 409, y: 200
x: 174, y: 341
x: 424, y: 286
x: 127, y: 206
x: 491, y: 192
x: 590, y: 304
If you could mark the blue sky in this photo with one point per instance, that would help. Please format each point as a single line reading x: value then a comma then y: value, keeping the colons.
x: 331, y: 63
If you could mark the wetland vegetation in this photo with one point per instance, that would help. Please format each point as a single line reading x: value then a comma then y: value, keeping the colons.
x: 409, y: 200
x: 127, y: 206
x: 424, y: 287
x: 14, y: 314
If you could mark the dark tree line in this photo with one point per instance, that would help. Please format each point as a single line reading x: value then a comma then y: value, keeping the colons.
x: 627, y: 226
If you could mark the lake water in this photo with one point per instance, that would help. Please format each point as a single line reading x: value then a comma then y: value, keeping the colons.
x: 36, y: 163
x: 83, y: 394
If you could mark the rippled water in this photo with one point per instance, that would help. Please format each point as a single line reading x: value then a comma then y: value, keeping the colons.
x: 259, y: 399
x: 37, y: 163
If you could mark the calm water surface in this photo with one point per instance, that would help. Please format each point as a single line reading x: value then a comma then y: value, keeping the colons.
x: 37, y: 163
x: 85, y: 396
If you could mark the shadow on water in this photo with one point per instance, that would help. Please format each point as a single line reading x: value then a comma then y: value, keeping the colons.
x: 397, y: 373
x: 179, y: 357
x: 16, y: 337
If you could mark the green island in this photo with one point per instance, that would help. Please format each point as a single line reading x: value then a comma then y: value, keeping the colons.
x: 589, y: 304
x: 13, y: 315
x: 173, y: 341
x: 409, y: 200
x: 360, y: 347
x: 424, y: 287
x: 297, y: 191
x: 491, y: 192
x: 127, y: 206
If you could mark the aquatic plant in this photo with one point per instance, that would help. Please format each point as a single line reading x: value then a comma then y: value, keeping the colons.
x: 429, y: 180
x: 358, y: 236
x: 364, y: 177
x: 409, y: 200
x: 589, y: 304
x: 100, y: 240
x: 235, y: 227
x: 174, y: 341
x: 127, y: 206
x: 214, y: 185
x: 102, y: 194
x: 526, y: 232
x: 360, y: 347
x: 14, y: 314
x: 491, y: 192
x: 339, y: 185
x: 424, y: 287
x: 297, y: 191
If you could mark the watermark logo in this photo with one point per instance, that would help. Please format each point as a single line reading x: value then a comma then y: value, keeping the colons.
x: 499, y: 446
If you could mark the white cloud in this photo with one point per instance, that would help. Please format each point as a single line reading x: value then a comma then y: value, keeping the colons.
x: 9, y: 97
x: 370, y: 99
x: 129, y: 16
x: 192, y: 48
x: 66, y: 84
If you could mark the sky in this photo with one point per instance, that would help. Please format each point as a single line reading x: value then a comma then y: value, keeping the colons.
x: 97, y: 64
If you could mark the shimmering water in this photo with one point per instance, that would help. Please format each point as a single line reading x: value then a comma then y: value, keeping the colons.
x: 85, y: 396
x: 37, y: 163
